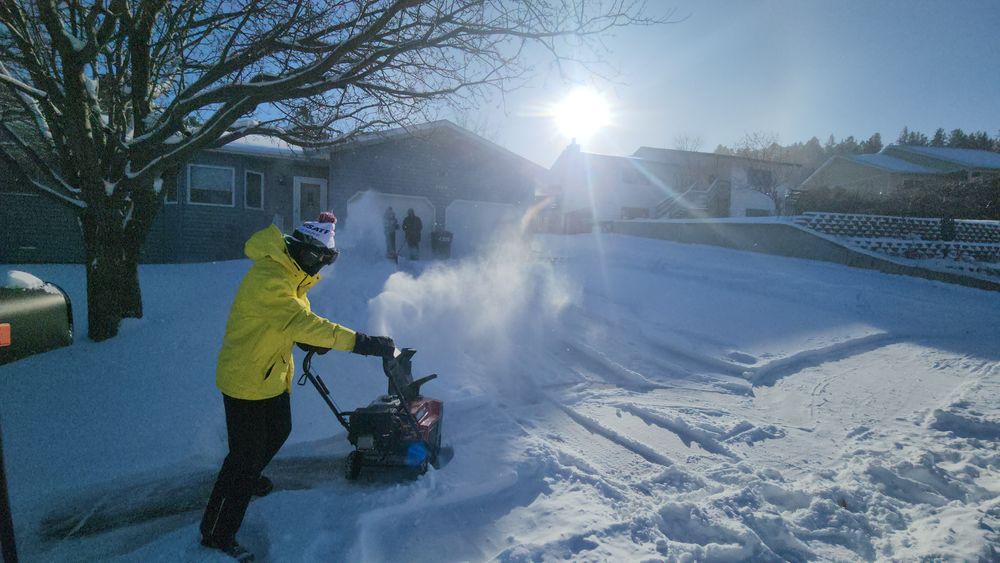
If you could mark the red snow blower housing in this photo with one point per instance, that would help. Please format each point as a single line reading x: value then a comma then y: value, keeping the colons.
x: 400, y: 429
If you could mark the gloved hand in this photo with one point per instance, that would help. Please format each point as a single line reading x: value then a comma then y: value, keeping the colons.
x: 373, y: 345
x: 310, y: 348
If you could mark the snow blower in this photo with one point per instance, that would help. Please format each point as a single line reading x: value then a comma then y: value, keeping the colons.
x: 400, y: 429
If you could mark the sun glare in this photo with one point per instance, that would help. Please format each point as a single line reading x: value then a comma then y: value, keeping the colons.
x: 581, y: 114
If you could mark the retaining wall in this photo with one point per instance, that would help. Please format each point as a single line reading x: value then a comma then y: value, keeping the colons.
x: 783, y: 239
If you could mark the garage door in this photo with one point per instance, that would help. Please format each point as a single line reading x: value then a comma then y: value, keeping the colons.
x: 362, y: 228
x: 476, y: 224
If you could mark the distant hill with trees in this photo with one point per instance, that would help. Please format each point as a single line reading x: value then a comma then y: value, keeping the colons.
x: 812, y: 153
x: 978, y: 198
x: 971, y: 199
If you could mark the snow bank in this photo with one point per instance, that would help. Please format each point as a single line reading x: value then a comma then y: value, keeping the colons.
x: 608, y: 399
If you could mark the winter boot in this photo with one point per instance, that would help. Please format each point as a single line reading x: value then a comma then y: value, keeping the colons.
x: 262, y: 487
x: 230, y: 548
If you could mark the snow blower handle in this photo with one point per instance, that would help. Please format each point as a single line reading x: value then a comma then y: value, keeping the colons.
x: 306, y: 367
x: 321, y: 387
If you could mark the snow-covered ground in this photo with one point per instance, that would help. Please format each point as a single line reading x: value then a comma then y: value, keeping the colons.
x: 608, y: 398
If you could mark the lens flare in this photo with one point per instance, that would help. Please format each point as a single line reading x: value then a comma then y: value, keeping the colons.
x: 581, y: 114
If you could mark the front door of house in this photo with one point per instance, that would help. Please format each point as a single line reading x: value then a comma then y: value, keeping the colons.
x: 308, y: 199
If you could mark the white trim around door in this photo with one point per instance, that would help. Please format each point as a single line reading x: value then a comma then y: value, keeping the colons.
x: 297, y: 197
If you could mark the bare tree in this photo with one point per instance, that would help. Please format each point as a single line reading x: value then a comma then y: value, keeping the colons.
x: 769, y: 177
x: 122, y: 92
x: 759, y: 145
x: 687, y: 142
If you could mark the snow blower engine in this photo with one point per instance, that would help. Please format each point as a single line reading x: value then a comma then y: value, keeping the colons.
x: 400, y: 429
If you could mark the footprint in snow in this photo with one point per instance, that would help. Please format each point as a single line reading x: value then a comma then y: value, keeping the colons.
x: 740, y: 357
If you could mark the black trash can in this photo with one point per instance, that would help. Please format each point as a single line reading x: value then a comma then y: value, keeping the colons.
x: 33, y: 320
x: 441, y: 244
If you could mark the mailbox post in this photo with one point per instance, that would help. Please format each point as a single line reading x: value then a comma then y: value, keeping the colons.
x: 6, y: 520
x: 33, y: 319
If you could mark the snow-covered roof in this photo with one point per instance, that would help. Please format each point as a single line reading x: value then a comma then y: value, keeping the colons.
x: 656, y: 153
x: 892, y: 163
x: 264, y: 145
x: 432, y: 126
x: 970, y: 158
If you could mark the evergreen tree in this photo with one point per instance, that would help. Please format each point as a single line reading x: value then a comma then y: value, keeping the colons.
x: 872, y: 145
x: 831, y: 146
x: 848, y: 146
x: 904, y: 136
x: 958, y: 139
x: 981, y: 140
x: 812, y: 155
x: 940, y: 138
x: 917, y: 139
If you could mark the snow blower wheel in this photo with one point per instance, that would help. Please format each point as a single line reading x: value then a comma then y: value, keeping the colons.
x: 354, y: 462
x: 399, y: 429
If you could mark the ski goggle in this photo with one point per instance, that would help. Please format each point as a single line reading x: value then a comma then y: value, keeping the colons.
x: 320, y: 255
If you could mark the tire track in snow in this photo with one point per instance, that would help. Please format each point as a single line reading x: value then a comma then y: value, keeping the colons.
x: 699, y: 361
x: 681, y: 428
x: 677, y: 346
x: 772, y: 372
x: 634, y: 446
x: 586, y: 359
x: 599, y: 463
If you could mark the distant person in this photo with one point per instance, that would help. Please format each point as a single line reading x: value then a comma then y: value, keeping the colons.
x: 391, y: 225
x: 270, y: 313
x: 412, y: 226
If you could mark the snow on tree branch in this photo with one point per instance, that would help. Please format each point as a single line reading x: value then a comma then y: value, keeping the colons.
x: 118, y: 94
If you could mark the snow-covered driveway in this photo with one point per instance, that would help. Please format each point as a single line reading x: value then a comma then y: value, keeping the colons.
x: 608, y: 398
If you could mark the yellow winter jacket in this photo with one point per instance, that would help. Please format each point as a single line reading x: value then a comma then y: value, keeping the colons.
x: 270, y: 313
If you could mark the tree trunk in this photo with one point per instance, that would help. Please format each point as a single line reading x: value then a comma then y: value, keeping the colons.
x: 112, y: 262
x: 130, y: 294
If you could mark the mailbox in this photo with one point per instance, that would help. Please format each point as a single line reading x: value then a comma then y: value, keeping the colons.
x: 33, y: 320
x: 441, y: 243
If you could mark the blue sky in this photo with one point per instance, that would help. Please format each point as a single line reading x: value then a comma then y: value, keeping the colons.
x: 794, y: 68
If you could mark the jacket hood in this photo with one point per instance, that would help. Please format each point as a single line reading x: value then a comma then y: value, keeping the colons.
x: 270, y: 243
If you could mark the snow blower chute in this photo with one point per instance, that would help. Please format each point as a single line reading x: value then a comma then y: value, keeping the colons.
x: 400, y: 429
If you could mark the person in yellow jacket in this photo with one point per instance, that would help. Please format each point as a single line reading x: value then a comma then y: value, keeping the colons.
x: 270, y: 314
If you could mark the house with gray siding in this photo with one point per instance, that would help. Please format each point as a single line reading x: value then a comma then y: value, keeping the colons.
x: 901, y: 167
x: 655, y: 183
x: 222, y: 196
x: 449, y: 175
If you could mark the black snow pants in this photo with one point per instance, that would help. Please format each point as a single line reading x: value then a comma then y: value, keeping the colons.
x: 257, y: 430
x: 390, y: 244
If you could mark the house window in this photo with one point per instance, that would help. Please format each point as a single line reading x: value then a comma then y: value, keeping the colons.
x: 760, y: 178
x: 211, y: 185
x: 254, y: 196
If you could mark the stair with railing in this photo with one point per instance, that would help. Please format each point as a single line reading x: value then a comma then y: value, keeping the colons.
x: 694, y: 202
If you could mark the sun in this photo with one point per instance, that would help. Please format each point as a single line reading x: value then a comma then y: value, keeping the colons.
x: 582, y: 113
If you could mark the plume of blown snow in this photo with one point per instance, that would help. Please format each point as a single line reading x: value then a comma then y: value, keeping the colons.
x: 473, y: 321
x: 361, y: 233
